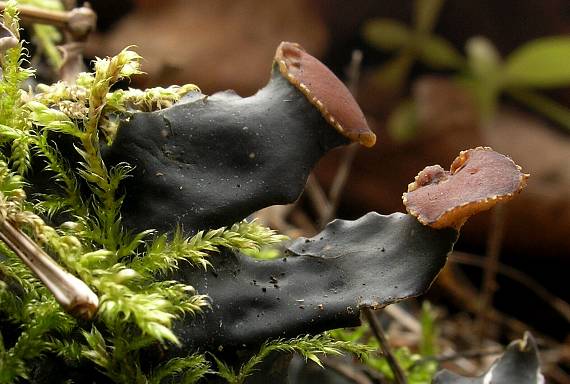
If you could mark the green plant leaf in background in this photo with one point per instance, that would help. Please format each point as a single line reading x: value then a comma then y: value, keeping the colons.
x: 426, y: 13
x: 412, y: 43
x: 394, y: 73
x: 387, y: 34
x: 439, y: 53
x: 485, y: 81
x: 541, y: 63
x: 549, y: 108
x: 402, y: 123
x: 428, y: 343
x: 484, y: 59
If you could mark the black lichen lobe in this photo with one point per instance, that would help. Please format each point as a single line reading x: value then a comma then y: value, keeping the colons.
x: 207, y: 162
x: 322, y: 286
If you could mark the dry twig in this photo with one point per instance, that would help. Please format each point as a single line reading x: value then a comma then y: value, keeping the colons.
x: 376, y: 327
x: 348, y: 371
x: 476, y: 353
x: 317, y: 195
x: 341, y: 177
x: 404, y: 318
x: 78, y: 21
x: 558, y: 304
x: 71, y: 293
x: 466, y: 298
x: 489, y: 285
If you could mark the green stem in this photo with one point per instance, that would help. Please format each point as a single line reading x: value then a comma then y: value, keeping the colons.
x: 44, y: 40
x: 544, y: 105
x: 95, y: 164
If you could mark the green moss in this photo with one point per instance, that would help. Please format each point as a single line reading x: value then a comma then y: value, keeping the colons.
x: 126, y: 270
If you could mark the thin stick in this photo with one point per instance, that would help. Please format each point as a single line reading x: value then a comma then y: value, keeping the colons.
x: 489, y: 285
x: 79, y: 21
x: 302, y: 221
x: 347, y: 371
x: 558, y: 304
x: 339, y: 182
x: 69, y: 4
x: 274, y: 216
x: 353, y: 73
x: 39, y: 15
x: 76, y: 22
x: 557, y: 374
x: 466, y: 298
x: 404, y: 318
x: 460, y: 355
x: 72, y: 294
x: 341, y: 177
x: 375, y: 375
x: 317, y: 195
x: 376, y: 327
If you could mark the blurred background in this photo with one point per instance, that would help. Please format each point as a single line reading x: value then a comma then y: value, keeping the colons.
x: 433, y: 77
